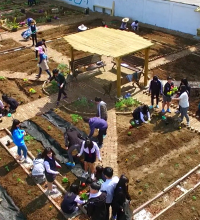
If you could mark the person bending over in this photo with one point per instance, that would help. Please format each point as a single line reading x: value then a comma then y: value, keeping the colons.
x: 141, y: 114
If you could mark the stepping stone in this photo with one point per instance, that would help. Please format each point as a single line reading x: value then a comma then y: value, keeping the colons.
x: 53, y: 195
x: 13, y: 151
x: 143, y: 214
x: 5, y: 139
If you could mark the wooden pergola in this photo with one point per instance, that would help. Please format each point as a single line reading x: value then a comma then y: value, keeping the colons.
x: 110, y: 42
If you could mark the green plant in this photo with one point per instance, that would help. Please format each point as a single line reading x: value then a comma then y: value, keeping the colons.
x: 194, y: 198
x: 14, y: 24
x: 7, y: 168
x: 176, y: 165
x: 31, y: 90
x: 146, y: 186
x: 76, y: 118
x: 19, y: 180
x: 2, y: 78
x: 126, y: 103
x: 28, y: 138
x: 14, y: 175
x: 39, y: 151
x: 25, y: 80
x: 49, y: 128
x: 29, y: 191
x: 63, y: 68
x: 84, y: 196
x: 65, y: 180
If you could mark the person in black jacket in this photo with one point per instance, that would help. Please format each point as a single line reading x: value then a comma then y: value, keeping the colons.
x: 167, y: 94
x: 96, y: 208
x: 120, y: 196
x: 11, y: 103
x: 71, y: 200
x: 141, y: 114
x: 73, y: 140
x: 33, y: 32
x: 155, y: 88
x: 60, y: 79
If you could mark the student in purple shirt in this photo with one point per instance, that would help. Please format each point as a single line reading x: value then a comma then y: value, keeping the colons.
x: 97, y: 123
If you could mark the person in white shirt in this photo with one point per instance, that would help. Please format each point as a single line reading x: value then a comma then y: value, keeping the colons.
x: 109, y: 186
x: 135, y: 26
x: 1, y: 108
x: 91, y: 150
x: 184, y: 104
x: 38, y: 168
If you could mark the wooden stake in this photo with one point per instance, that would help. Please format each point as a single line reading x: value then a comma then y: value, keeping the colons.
x: 146, y: 66
x: 113, y: 9
x: 118, y: 63
x: 72, y: 53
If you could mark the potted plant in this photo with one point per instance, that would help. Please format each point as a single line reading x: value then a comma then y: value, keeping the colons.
x: 14, y: 25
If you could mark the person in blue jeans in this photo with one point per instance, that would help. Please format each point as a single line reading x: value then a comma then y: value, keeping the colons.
x: 18, y: 139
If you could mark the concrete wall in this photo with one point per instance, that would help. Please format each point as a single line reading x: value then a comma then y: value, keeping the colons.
x: 171, y: 15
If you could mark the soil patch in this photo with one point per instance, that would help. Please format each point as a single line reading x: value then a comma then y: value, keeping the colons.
x: 25, y: 62
x: 30, y: 200
x: 185, y: 67
x: 8, y: 43
x: 155, y: 155
x: 188, y: 208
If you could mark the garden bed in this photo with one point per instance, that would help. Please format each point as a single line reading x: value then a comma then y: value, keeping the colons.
x: 154, y: 156
x: 8, y: 43
x: 24, y: 192
x: 25, y: 62
x: 186, y: 209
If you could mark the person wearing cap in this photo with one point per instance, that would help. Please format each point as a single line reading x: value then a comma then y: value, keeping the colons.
x: 184, y: 104
x: 82, y: 28
x: 135, y: 25
x: 155, y: 87
x: 96, y: 206
x: 40, y: 44
x: 43, y: 66
x: 124, y: 24
x: 33, y: 32
x: 61, y: 82
x: 101, y: 108
x: 167, y: 94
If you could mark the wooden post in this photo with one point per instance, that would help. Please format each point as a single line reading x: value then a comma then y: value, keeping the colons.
x: 113, y: 8
x: 71, y: 50
x: 118, y: 63
x: 146, y: 66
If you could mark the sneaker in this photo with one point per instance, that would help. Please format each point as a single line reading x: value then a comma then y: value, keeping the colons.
x: 84, y: 174
x: 177, y: 112
x: 20, y: 158
x: 168, y: 110
x: 137, y: 122
x: 163, y: 111
x: 100, y: 146
x: 53, y: 191
x: 53, y: 186
x: 57, y: 103
x: 114, y: 217
x: 92, y: 176
x: 70, y: 164
x: 151, y: 106
x: 157, y: 106
x: 26, y: 161
x: 188, y: 124
x: 37, y: 76
x: 65, y: 97
x: 104, y: 136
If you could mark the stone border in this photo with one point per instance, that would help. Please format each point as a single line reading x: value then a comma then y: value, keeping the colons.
x: 77, y: 112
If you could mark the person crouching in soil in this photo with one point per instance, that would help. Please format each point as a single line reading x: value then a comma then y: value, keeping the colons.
x: 141, y: 114
x: 50, y: 165
x: 11, y: 104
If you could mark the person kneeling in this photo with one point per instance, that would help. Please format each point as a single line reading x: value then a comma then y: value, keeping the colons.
x: 142, y: 114
x: 71, y: 200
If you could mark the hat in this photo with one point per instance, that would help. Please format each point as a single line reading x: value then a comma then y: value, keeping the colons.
x: 40, y: 49
x: 169, y: 77
x: 82, y: 27
x: 125, y: 19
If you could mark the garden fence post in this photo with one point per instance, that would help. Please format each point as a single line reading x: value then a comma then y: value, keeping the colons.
x: 146, y: 66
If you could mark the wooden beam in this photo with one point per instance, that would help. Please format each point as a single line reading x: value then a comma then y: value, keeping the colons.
x: 146, y: 66
x: 118, y: 63
x: 113, y: 9
x: 72, y: 53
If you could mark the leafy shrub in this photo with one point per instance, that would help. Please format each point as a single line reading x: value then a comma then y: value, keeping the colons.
x: 126, y: 103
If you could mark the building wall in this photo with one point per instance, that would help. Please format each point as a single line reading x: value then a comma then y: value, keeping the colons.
x: 171, y: 15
